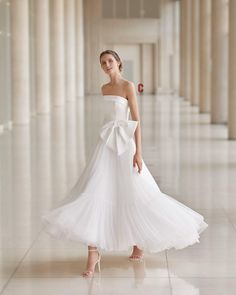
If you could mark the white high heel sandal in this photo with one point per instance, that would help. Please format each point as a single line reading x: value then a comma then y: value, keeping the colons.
x: 89, y: 272
x: 136, y: 257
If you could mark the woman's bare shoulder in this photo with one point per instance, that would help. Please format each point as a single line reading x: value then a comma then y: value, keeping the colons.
x: 104, y: 87
x: 129, y: 87
x: 127, y: 82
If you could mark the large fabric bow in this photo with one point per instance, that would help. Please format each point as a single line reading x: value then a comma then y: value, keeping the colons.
x: 116, y: 134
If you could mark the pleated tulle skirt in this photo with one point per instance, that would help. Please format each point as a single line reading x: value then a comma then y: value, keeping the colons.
x: 113, y: 207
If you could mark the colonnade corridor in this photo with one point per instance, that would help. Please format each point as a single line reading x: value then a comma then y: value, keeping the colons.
x: 192, y: 161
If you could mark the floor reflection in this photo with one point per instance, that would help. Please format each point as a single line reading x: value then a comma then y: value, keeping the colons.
x: 190, y: 159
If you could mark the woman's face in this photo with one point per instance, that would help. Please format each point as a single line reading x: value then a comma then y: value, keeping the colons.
x: 109, y: 64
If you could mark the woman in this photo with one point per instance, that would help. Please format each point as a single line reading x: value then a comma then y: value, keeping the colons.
x: 116, y: 203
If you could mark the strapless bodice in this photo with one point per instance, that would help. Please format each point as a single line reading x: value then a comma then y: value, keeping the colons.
x: 117, y: 129
x: 115, y: 108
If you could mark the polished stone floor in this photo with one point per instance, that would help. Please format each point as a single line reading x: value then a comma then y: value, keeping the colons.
x: 190, y: 159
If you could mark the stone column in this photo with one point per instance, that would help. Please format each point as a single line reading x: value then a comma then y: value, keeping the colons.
x: 156, y: 67
x: 5, y: 68
x: 148, y: 67
x: 79, y: 49
x: 20, y: 61
x: 188, y: 50
x: 70, y: 69
x: 42, y: 60
x: 57, y: 53
x: 165, y: 45
x: 232, y: 70
x: 176, y: 44
x: 183, y: 47
x: 205, y: 56
x: 93, y: 37
x: 195, y: 52
x: 219, y: 52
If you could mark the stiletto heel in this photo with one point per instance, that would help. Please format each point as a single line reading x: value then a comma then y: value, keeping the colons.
x: 99, y: 268
x: 88, y: 273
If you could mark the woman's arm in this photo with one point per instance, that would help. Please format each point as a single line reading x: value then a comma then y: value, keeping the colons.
x: 133, y: 104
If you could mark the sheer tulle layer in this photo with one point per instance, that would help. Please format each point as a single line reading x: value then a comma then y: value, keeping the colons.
x: 114, y: 207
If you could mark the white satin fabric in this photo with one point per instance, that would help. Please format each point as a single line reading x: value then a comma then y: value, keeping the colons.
x: 117, y: 130
x: 114, y: 207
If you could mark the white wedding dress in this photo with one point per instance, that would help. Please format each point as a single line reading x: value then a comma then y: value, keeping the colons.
x: 114, y: 207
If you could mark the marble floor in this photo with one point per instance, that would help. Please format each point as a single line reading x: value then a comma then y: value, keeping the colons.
x: 190, y: 159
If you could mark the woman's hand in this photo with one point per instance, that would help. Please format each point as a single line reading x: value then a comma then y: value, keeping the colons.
x: 137, y: 160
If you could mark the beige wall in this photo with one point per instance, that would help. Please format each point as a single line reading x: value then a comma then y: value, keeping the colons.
x: 130, y: 55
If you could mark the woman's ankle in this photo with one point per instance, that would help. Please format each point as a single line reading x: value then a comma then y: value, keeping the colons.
x: 92, y: 248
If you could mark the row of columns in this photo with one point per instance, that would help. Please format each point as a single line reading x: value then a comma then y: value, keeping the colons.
x: 59, y: 73
x: 207, y: 55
